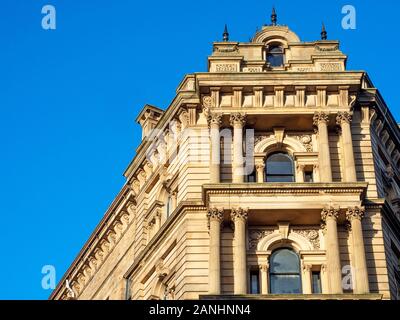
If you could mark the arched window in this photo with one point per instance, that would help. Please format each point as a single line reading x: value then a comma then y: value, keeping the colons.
x: 275, y: 56
x: 285, y: 272
x: 279, y: 168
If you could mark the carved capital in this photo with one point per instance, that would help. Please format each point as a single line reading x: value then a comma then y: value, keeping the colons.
x: 343, y: 117
x: 239, y: 213
x: 329, y: 213
x: 355, y: 213
x: 237, y: 119
x: 306, y: 267
x: 214, y: 119
x: 260, y: 166
x: 320, y: 117
x: 215, y: 214
x: 264, y: 267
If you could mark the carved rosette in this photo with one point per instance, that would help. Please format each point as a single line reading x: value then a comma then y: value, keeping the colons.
x: 355, y: 213
x: 239, y: 213
x: 320, y: 117
x: 237, y: 119
x: 343, y: 117
x: 329, y: 213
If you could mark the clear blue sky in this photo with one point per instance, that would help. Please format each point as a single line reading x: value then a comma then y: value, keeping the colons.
x: 69, y: 97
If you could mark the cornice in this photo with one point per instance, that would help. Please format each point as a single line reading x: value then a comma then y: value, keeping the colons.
x: 95, y: 239
x: 179, y: 99
x: 286, y: 188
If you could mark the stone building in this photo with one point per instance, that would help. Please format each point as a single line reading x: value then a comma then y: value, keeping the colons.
x: 273, y: 175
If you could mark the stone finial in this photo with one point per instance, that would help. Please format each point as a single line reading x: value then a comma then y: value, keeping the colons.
x: 225, y: 35
x: 274, y: 17
x: 324, y: 34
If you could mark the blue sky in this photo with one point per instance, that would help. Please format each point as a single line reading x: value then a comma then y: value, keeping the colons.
x: 69, y: 97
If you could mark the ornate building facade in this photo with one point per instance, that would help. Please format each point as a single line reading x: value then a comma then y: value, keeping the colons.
x: 273, y: 175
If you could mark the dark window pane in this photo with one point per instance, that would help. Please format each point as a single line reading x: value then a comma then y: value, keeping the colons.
x: 316, y: 282
x: 285, y: 272
x: 289, y: 284
x: 279, y: 168
x: 275, y: 56
x: 254, y: 282
x: 285, y: 261
x: 308, y: 176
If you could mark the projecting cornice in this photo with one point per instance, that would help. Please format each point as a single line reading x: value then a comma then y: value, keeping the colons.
x: 219, y: 191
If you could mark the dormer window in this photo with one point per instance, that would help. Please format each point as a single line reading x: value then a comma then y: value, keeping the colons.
x: 275, y: 56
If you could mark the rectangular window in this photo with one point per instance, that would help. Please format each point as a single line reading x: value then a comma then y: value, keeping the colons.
x: 254, y: 282
x: 308, y: 176
x: 316, y: 282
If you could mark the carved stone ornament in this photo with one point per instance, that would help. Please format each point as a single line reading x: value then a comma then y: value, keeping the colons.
x: 343, y: 117
x: 239, y: 213
x: 256, y: 235
x: 311, y: 234
x: 214, y: 119
x: 215, y: 214
x: 238, y: 119
x: 355, y: 213
x: 329, y: 213
x: 320, y: 117
x: 207, y: 101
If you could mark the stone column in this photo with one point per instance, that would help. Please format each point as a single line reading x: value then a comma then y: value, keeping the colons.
x: 238, y: 121
x: 214, y: 122
x: 307, y: 287
x: 354, y: 216
x: 215, y: 217
x: 239, y: 217
x: 321, y: 121
x: 264, y: 278
x: 343, y: 119
x: 329, y: 217
x: 260, y: 167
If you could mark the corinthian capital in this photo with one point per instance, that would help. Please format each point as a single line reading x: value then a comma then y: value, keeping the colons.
x: 355, y: 213
x: 238, y: 119
x: 239, y: 213
x: 320, y: 117
x: 215, y: 214
x: 329, y: 213
x: 214, y: 119
x: 343, y: 117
